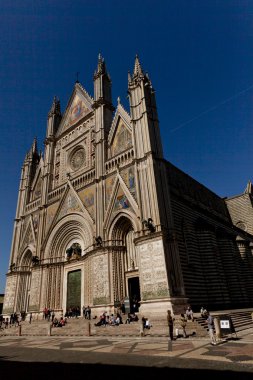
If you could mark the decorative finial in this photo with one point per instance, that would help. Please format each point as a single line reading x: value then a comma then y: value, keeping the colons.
x: 77, y: 77
x: 118, y: 100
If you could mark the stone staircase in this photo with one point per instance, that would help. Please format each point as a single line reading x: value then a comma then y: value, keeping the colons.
x: 82, y: 327
x: 242, y: 320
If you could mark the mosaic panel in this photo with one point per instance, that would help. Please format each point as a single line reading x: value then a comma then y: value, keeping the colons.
x: 77, y: 110
x: 37, y: 190
x: 121, y: 201
x: 129, y: 179
x: 88, y: 198
x: 51, y: 211
x: 122, y: 140
x: 109, y: 183
x: 70, y: 204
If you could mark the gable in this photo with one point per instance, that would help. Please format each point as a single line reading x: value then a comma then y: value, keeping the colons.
x: 28, y: 235
x: 36, y: 187
x: 77, y: 110
x: 79, y: 105
x: 70, y: 203
x: 122, y: 139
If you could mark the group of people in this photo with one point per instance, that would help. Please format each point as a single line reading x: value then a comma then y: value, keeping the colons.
x: 109, y: 320
x: 59, y: 322
x: 73, y: 312
x: 132, y: 317
x: 13, y: 320
x: 86, y: 312
x: 209, y: 320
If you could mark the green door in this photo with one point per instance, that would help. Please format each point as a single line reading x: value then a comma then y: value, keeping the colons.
x: 74, y: 289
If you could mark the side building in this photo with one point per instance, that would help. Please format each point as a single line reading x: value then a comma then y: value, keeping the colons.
x: 103, y: 218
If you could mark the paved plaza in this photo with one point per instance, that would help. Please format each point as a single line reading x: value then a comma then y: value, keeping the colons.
x: 130, y: 357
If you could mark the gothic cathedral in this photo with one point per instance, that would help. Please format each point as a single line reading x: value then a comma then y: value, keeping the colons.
x: 102, y: 217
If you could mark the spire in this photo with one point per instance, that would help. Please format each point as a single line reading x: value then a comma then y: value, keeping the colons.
x: 138, y: 73
x: 249, y: 188
x: 55, y: 108
x: 137, y: 67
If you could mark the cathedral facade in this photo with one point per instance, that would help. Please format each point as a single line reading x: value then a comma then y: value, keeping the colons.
x: 102, y: 218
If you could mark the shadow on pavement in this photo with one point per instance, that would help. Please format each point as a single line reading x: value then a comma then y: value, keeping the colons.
x: 45, y: 370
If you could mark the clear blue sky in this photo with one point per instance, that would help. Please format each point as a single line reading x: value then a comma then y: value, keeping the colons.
x: 199, y: 55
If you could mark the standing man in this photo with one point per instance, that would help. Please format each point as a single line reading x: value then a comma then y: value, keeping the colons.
x: 30, y: 318
x: 210, y: 324
x: 170, y: 321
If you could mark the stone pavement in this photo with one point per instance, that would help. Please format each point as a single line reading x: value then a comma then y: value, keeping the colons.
x: 233, y: 356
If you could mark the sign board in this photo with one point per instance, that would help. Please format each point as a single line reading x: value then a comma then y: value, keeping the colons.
x: 226, y: 325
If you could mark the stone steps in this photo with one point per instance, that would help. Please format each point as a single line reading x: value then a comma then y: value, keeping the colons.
x: 242, y: 320
x: 82, y: 327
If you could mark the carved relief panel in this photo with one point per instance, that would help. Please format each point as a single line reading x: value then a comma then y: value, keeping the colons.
x: 152, y: 270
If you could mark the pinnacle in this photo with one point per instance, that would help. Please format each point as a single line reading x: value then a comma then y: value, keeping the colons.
x: 56, y: 107
x: 249, y: 188
x: 137, y: 66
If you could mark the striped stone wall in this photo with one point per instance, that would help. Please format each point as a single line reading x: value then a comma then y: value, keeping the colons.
x: 216, y: 257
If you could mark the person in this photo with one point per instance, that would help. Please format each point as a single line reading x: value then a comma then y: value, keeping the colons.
x: 210, y: 324
x: 203, y: 312
x: 30, y: 318
x: 183, y: 321
x: 147, y: 324
x: 123, y: 307
x: 88, y: 312
x: 189, y: 313
x: 170, y: 321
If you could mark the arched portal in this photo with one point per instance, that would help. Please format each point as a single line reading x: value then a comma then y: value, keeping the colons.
x: 125, y: 265
x: 64, y: 256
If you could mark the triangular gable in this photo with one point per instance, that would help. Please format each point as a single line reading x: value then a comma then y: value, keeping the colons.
x: 120, y: 135
x: 79, y: 105
x: 121, y: 199
x: 36, y: 187
x: 69, y: 203
x: 28, y: 235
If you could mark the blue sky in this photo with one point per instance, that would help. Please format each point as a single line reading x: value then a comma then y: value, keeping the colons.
x: 199, y: 55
